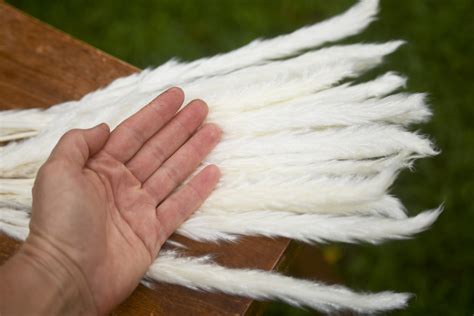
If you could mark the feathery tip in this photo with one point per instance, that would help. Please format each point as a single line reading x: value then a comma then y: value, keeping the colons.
x: 392, y: 301
x: 369, y: 6
x: 425, y: 220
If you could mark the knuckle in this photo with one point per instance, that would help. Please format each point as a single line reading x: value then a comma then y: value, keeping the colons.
x: 188, y: 133
x: 195, y: 150
x: 158, y: 153
x: 173, y: 175
x: 136, y: 134
x: 196, y: 195
x: 174, y: 204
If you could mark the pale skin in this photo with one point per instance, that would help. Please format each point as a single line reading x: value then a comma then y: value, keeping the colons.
x: 103, y: 205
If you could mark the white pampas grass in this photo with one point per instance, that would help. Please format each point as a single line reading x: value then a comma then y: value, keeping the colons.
x: 309, y: 228
x: 14, y: 223
x: 172, y: 73
x: 397, y: 109
x: 306, y: 154
x: 263, y: 285
x: 354, y: 142
x: 259, y: 52
x: 22, y: 156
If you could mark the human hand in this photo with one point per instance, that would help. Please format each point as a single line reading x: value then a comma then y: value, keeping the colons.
x: 104, y: 203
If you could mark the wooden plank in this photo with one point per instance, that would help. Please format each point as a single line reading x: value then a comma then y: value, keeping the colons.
x: 41, y: 66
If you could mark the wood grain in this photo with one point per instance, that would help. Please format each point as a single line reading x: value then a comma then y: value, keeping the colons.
x: 41, y: 66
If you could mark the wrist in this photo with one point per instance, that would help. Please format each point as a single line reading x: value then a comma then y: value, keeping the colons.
x: 41, y: 280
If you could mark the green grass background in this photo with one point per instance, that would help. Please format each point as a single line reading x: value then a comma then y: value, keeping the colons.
x: 438, y: 266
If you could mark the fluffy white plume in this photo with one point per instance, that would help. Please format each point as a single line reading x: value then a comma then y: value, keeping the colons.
x: 311, y: 228
x: 21, y: 159
x: 262, y: 51
x: 306, y: 154
x: 354, y: 142
x: 14, y: 223
x: 307, y: 113
x: 300, y: 195
x: 172, y: 73
x: 262, y: 285
x: 303, y: 164
x: 18, y: 124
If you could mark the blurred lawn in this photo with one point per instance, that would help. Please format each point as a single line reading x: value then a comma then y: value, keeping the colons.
x: 439, y: 264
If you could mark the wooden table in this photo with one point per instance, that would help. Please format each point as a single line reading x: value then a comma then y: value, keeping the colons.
x: 41, y: 66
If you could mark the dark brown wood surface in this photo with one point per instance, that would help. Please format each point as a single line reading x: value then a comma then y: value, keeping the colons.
x: 41, y: 66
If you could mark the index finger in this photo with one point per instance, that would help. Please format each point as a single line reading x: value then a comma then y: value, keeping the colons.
x: 130, y: 135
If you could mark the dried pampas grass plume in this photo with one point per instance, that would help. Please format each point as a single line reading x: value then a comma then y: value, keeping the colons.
x: 307, y: 154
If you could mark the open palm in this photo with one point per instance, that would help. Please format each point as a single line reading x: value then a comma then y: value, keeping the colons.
x: 104, y: 203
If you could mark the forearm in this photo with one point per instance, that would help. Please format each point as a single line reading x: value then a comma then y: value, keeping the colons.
x: 34, y: 282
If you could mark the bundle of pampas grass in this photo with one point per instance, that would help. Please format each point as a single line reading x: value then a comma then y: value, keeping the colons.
x: 306, y: 154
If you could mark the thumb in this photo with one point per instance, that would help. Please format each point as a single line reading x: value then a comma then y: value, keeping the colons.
x: 78, y: 145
